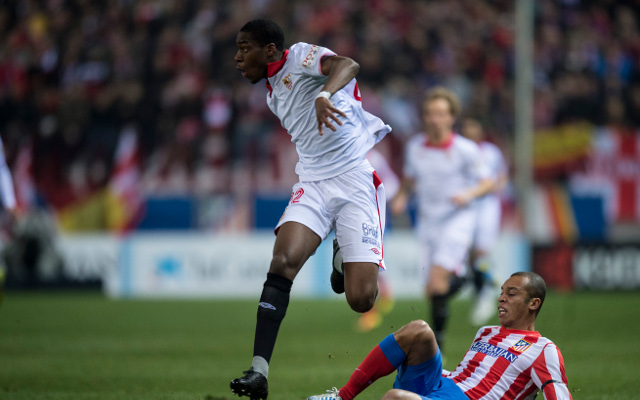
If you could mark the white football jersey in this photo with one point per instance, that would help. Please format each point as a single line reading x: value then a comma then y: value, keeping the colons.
x: 441, y: 172
x: 294, y: 82
x: 492, y: 156
x: 511, y: 364
x: 488, y: 207
x: 7, y: 193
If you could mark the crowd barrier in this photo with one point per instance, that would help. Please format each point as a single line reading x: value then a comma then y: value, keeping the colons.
x: 234, y: 266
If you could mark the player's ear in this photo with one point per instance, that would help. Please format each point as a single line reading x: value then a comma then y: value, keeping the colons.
x: 270, y: 50
x: 534, y: 303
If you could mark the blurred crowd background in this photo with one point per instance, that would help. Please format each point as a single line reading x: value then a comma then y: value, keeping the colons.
x: 77, y: 77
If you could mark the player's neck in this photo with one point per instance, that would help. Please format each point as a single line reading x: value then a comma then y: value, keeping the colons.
x: 523, y: 326
x: 277, y: 56
x: 439, y: 138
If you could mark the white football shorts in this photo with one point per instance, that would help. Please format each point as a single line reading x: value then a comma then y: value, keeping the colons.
x: 487, y: 229
x: 352, y: 203
x: 446, y: 242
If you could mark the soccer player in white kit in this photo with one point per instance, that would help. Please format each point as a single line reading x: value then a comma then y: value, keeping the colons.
x: 8, y: 199
x: 511, y: 361
x: 384, y: 304
x: 447, y: 174
x: 487, y: 229
x: 310, y: 88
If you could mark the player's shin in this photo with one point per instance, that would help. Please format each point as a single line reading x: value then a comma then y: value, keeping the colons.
x: 482, y: 273
x: 385, y: 358
x: 439, y: 314
x: 271, y: 311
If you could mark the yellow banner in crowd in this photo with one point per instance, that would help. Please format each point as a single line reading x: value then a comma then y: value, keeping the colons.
x: 558, y: 147
x: 101, y: 211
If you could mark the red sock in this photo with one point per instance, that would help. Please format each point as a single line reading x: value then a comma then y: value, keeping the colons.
x: 375, y: 366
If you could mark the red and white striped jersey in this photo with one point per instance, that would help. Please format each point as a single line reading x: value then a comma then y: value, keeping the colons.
x: 511, y: 364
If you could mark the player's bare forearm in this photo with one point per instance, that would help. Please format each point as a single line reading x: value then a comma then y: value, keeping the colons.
x: 485, y: 186
x: 340, y: 71
x: 501, y: 183
x: 401, y: 199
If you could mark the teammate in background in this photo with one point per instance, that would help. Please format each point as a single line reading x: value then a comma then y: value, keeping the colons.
x: 315, y: 95
x: 373, y: 318
x: 447, y: 173
x: 7, y: 192
x: 487, y: 226
x: 510, y: 361
x: 8, y: 198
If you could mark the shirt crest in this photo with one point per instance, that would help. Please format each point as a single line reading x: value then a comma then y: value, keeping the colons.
x: 521, y: 346
x: 288, y: 82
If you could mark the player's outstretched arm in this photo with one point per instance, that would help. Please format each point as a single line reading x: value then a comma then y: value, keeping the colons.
x: 340, y: 70
x: 400, y: 201
x: 483, y: 187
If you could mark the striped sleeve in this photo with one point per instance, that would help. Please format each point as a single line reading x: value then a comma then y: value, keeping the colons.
x: 548, y: 374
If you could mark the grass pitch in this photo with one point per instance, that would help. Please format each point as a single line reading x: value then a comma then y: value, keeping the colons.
x: 84, y: 346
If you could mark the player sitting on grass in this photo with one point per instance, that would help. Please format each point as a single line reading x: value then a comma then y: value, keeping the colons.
x: 511, y: 361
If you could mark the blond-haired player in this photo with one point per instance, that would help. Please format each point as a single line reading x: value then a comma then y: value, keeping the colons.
x: 446, y: 173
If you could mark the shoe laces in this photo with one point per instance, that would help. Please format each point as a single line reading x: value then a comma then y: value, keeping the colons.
x: 335, y: 392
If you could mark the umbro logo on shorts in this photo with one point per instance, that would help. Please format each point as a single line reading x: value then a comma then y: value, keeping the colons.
x: 375, y: 251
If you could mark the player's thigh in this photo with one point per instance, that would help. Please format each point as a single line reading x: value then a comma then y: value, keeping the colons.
x: 421, y: 379
x: 302, y: 227
x: 360, y: 279
x: 359, y: 224
x: 450, y: 242
x: 439, y: 279
x: 488, y: 228
x: 425, y: 253
x: 307, y: 206
x: 294, y: 245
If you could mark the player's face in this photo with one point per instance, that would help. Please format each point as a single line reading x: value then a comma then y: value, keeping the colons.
x: 438, y: 118
x: 472, y: 130
x: 514, y: 305
x: 251, y: 58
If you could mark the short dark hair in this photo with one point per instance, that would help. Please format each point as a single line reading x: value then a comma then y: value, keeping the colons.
x: 535, y: 286
x: 265, y: 31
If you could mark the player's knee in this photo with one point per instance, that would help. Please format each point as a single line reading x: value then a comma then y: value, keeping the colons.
x: 395, y: 394
x: 283, y: 265
x: 417, y: 331
x: 423, y: 332
x: 437, y: 288
x: 362, y: 303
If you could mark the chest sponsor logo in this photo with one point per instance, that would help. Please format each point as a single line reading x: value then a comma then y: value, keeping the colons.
x: 288, y: 82
x: 310, y: 59
x: 493, y: 351
x: 521, y: 346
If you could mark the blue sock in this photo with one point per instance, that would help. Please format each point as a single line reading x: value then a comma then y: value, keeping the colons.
x: 392, y: 351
